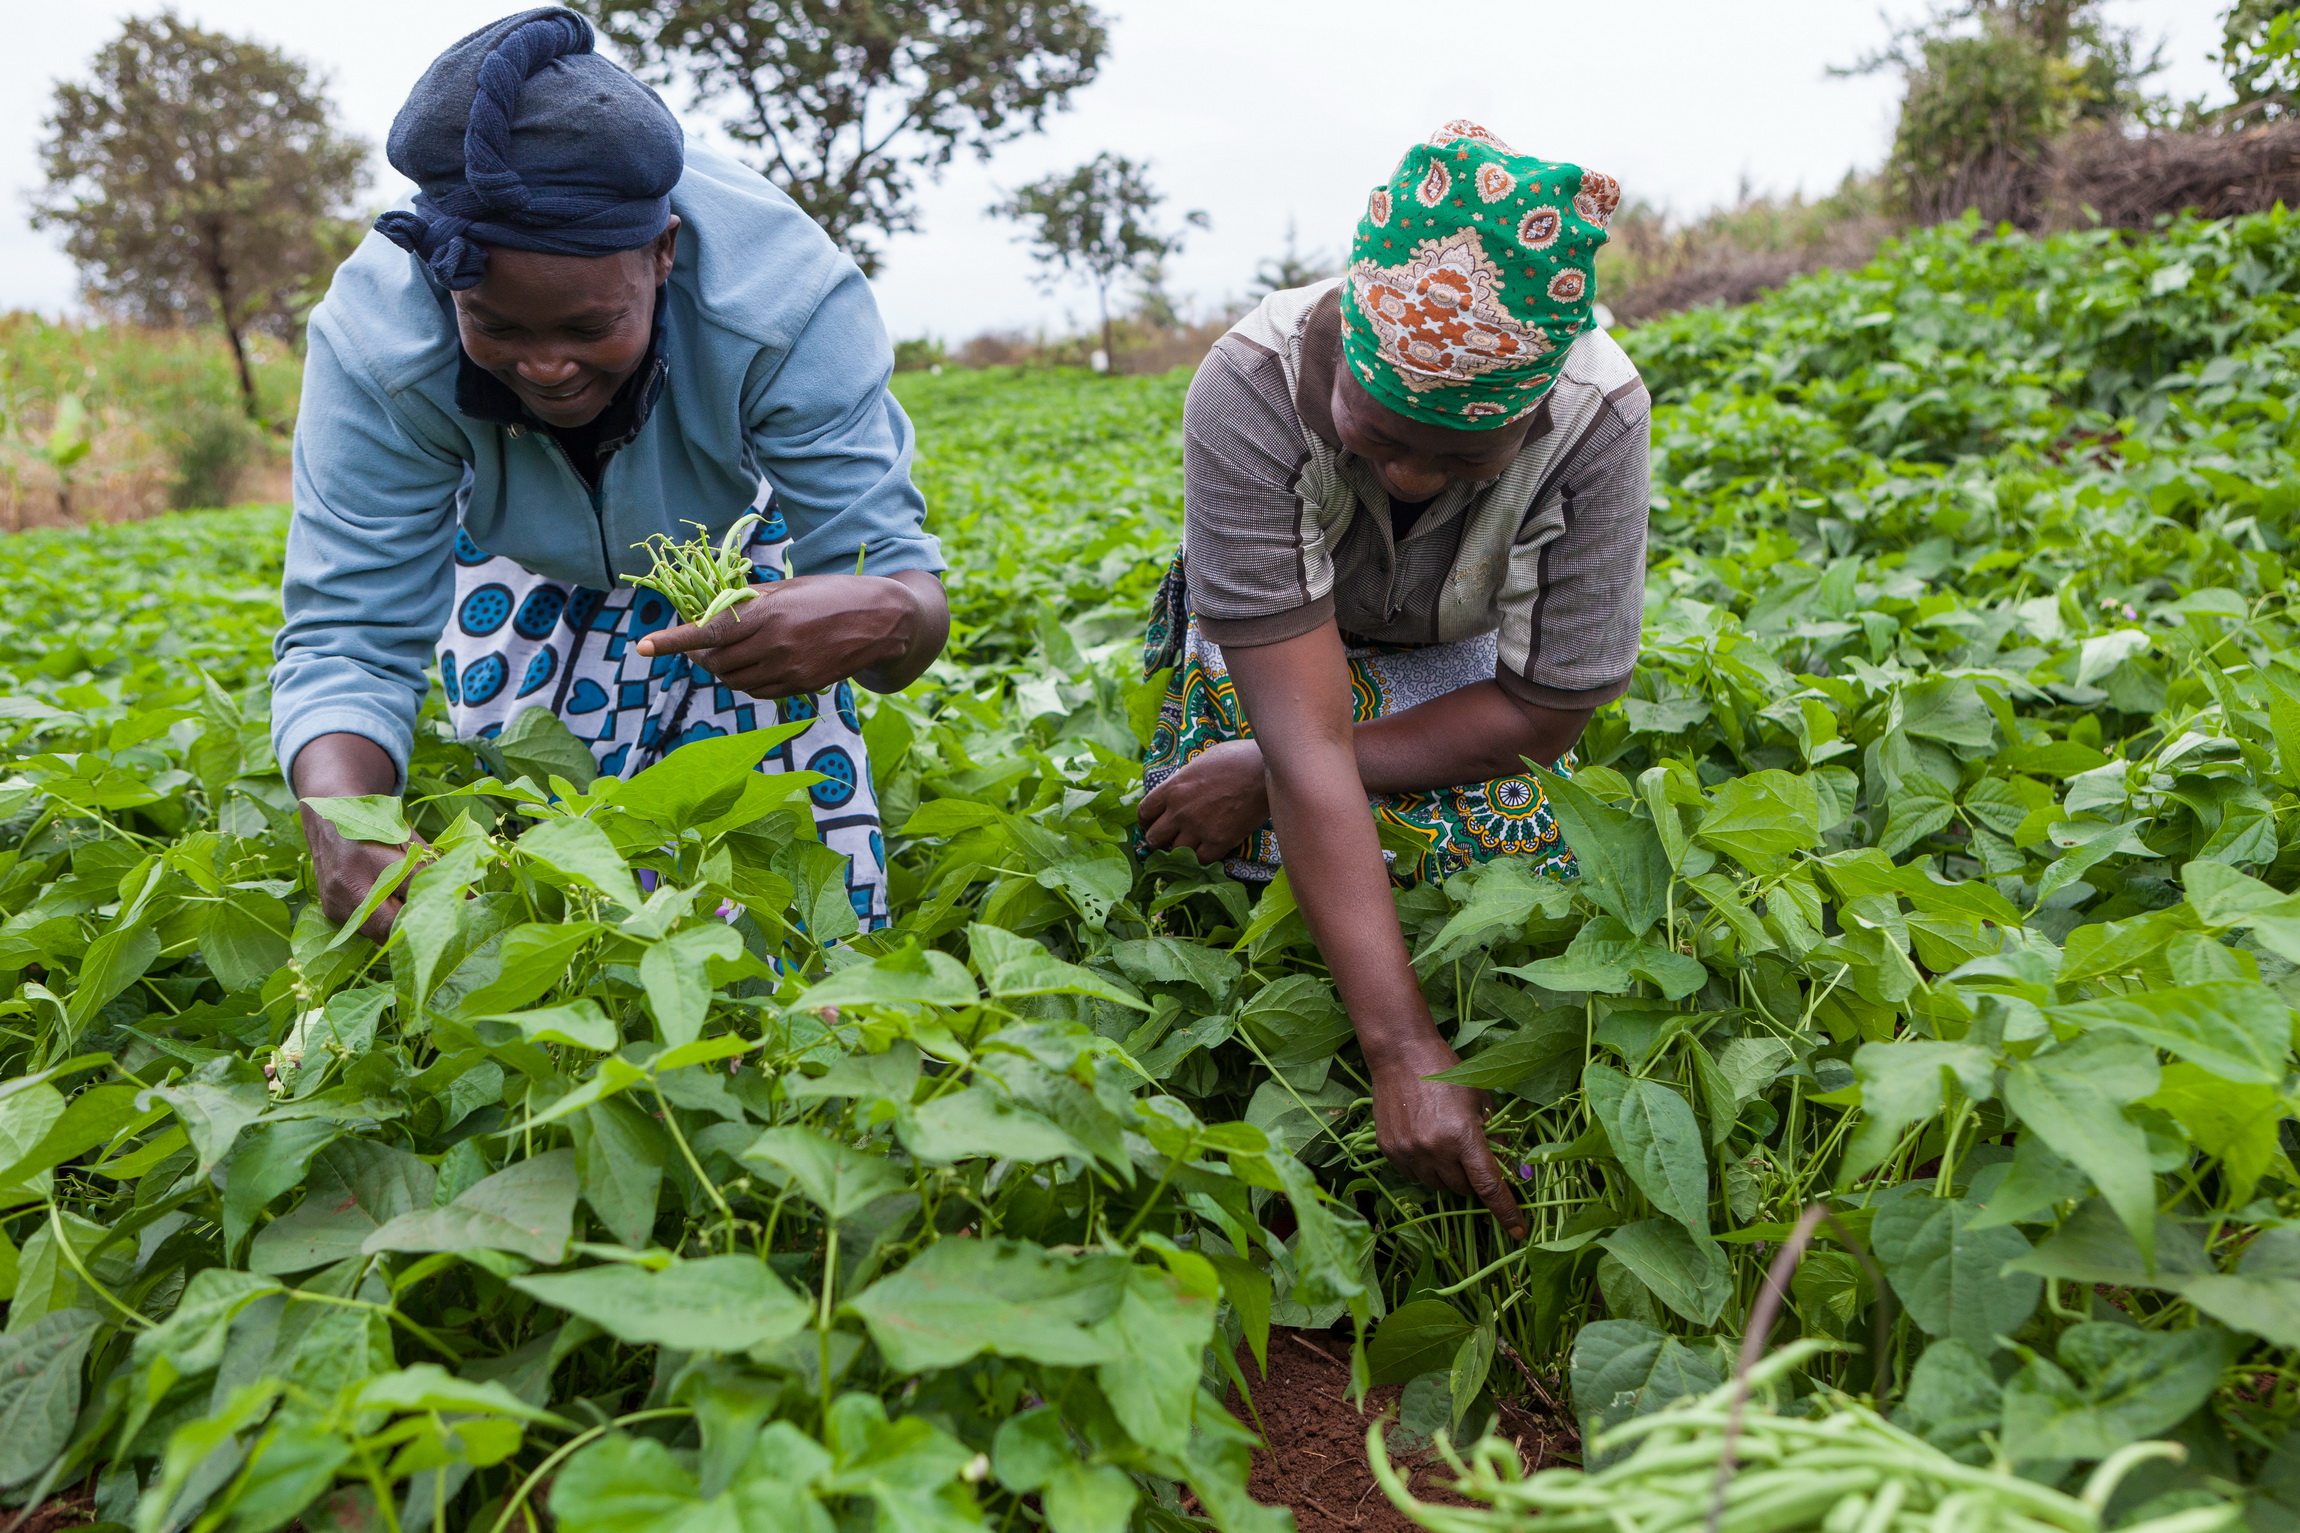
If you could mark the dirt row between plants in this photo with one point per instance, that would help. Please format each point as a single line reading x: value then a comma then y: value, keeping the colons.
x: 1316, y: 1459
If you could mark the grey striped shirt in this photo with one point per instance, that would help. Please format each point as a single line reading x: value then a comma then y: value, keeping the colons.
x: 1285, y: 530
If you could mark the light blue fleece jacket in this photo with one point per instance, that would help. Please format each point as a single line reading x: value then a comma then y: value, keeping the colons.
x: 778, y: 366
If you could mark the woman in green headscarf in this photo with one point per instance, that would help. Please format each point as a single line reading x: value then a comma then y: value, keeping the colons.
x: 1414, y: 558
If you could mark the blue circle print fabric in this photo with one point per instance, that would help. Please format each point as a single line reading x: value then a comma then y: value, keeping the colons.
x: 575, y: 651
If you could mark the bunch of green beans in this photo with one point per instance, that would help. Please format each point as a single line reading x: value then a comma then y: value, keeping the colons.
x: 1847, y: 1470
x: 700, y: 580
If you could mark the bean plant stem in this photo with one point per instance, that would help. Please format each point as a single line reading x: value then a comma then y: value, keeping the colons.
x: 559, y: 1455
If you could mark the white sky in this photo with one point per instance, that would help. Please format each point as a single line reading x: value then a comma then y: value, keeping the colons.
x: 1256, y: 111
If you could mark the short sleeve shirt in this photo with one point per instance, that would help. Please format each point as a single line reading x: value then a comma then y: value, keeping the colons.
x: 1285, y: 530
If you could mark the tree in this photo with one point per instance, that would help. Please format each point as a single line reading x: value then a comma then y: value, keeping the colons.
x: 196, y: 177
x: 846, y: 100
x: 1095, y: 223
x: 1991, y: 84
x: 1290, y: 268
x: 2260, y: 50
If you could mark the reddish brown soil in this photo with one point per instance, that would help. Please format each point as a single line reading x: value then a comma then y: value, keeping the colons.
x: 1316, y: 1459
x: 73, y: 1509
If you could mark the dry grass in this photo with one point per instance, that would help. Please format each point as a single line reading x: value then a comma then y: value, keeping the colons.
x: 2131, y: 182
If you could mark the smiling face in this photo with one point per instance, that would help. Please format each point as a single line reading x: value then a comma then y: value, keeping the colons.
x: 1416, y: 461
x: 564, y: 332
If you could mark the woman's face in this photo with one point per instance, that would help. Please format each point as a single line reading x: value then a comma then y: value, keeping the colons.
x: 1416, y: 461
x: 564, y: 332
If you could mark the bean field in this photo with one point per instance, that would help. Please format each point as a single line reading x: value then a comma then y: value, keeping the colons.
x: 1934, y: 949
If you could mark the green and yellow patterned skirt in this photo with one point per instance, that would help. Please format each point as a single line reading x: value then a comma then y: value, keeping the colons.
x: 1452, y: 827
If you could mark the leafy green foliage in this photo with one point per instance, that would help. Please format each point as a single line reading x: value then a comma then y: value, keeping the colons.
x: 1939, y: 867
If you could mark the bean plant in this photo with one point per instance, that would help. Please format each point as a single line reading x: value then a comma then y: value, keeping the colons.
x: 1939, y: 868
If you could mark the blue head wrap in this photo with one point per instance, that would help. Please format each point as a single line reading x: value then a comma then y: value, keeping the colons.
x: 521, y: 135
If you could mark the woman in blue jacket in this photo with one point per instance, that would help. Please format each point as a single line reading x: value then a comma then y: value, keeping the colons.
x: 587, y: 331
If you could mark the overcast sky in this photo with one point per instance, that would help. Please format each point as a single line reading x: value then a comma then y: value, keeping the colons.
x: 1256, y: 111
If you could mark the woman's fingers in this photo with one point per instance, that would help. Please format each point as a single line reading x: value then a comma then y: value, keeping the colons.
x: 1492, y: 1189
x: 685, y: 638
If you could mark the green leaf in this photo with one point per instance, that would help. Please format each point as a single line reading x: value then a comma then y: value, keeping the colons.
x: 1295, y: 1021
x: 702, y: 780
x: 1917, y: 807
x: 376, y: 817
x: 1095, y: 884
x: 1947, y: 709
x: 1089, y: 1498
x: 2093, y: 1246
x: 1414, y: 1339
x: 1156, y: 1338
x: 1658, y: 1141
x: 1948, y: 1276
x: 981, y: 1122
x: 2120, y: 1385
x: 1503, y: 895
x: 2059, y: 1097
x: 580, y: 850
x: 620, y: 1157
x: 1904, y: 1082
x: 578, y: 1023
x: 40, y: 1389
x: 1954, y: 1401
x: 533, y: 958
x: 1623, y: 867
x: 716, y: 1304
x: 356, y: 1186
x: 428, y: 1387
x: 1249, y: 1290
x: 1761, y: 820
x: 837, y: 1178
x: 1622, y: 1370
x: 1465, y: 1378
x: 818, y: 876
x: 1552, y: 1034
x: 2262, y: 1295
x: 527, y: 1208
x: 2239, y: 1032
x: 114, y: 961
x: 1020, y: 966
x: 270, y: 1159
x: 961, y: 1298
x: 623, y: 1484
x: 538, y: 745
x: 676, y: 975
x: 2238, y: 1124
x: 245, y: 938
x: 909, y: 977
x: 1687, y: 1272
x: 213, y: 1112
x: 1171, y: 960
x: 1030, y: 1449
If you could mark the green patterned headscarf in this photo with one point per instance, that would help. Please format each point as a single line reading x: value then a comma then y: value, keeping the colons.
x: 1472, y: 273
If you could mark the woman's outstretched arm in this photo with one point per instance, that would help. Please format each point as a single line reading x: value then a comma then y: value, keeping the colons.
x: 1297, y: 692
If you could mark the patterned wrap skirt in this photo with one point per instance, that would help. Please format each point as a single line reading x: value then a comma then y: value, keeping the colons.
x: 518, y: 641
x: 1452, y: 827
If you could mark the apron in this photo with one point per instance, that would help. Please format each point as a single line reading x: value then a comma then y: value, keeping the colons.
x: 518, y: 641
x: 1454, y: 827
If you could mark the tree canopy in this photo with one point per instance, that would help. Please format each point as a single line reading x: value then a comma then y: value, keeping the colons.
x: 1095, y: 222
x: 196, y: 176
x: 846, y: 101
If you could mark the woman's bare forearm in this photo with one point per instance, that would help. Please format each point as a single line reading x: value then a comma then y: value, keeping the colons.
x: 1298, y: 695
x: 1474, y: 734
